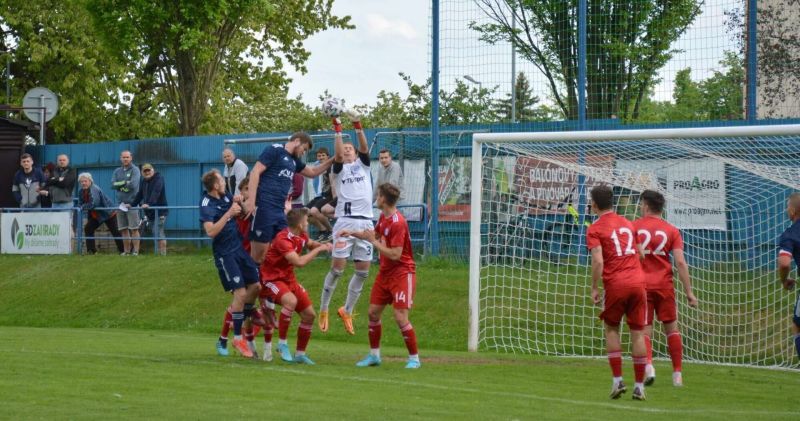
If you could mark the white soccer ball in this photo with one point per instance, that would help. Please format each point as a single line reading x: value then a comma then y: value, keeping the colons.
x: 333, y: 107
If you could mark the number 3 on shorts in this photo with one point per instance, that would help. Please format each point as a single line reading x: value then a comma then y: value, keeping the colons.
x: 400, y: 297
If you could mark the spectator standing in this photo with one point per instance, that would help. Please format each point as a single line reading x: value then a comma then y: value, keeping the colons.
x: 94, y: 202
x: 153, y: 192
x: 234, y: 172
x: 29, y: 183
x: 61, y: 183
x: 389, y: 172
x: 44, y: 194
x: 125, y: 181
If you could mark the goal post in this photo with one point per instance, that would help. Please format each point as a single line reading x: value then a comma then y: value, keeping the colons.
x: 726, y: 190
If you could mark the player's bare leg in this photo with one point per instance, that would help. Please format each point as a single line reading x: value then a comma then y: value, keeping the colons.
x: 409, y: 336
x: 328, y: 288
x: 374, y: 357
x: 357, y: 281
x: 796, y: 333
x: 639, y: 362
x: 675, y: 347
x: 307, y: 317
x: 614, y: 349
x: 258, y: 251
x: 649, y: 370
x: 288, y: 304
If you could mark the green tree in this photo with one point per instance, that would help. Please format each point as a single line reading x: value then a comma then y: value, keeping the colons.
x: 201, y: 56
x: 628, y: 41
x: 526, y: 104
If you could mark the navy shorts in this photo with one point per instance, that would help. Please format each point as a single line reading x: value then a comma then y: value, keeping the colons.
x: 266, y: 225
x: 236, y: 270
x: 796, y: 314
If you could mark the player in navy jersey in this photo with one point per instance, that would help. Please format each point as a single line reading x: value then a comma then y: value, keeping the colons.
x: 789, y: 245
x: 270, y: 182
x: 237, y: 271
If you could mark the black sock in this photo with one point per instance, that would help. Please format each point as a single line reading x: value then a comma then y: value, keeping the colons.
x: 248, y: 310
x: 238, y: 319
x: 223, y: 342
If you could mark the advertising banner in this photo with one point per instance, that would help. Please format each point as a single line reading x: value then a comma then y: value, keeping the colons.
x: 35, y: 233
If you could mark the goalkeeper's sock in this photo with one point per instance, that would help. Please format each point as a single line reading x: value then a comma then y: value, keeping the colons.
x: 639, y: 364
x: 238, y: 320
x: 649, y: 345
x: 303, y: 336
x: 410, y: 338
x: 354, y: 290
x: 375, y: 336
x: 284, y: 321
x: 615, y: 361
x: 675, y: 346
x: 797, y: 344
x: 331, y: 279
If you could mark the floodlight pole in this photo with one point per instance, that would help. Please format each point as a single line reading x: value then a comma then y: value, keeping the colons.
x: 582, y: 9
x: 513, y: 67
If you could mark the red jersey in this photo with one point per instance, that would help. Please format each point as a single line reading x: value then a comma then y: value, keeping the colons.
x: 659, y: 238
x: 244, y: 230
x: 394, y: 232
x: 276, y: 267
x: 616, y: 236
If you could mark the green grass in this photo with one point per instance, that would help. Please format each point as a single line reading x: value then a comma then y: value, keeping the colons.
x: 114, y: 337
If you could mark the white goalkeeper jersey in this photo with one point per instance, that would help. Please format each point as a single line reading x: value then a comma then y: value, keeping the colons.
x: 354, y: 188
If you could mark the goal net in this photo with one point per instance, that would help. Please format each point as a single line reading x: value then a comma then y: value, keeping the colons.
x: 726, y: 190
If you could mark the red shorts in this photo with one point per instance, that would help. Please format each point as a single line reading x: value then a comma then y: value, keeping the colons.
x: 662, y: 302
x: 274, y: 290
x: 397, y: 290
x: 630, y: 302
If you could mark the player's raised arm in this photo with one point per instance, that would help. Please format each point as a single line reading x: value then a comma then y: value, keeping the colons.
x: 355, y: 118
x: 255, y: 177
x: 683, y: 275
x: 597, y: 272
x: 316, y: 170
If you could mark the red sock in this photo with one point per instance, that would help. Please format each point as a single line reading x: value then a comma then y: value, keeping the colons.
x: 649, y: 345
x: 374, y: 334
x: 411, y: 338
x: 283, y: 323
x: 249, y: 335
x: 615, y: 361
x: 639, y: 363
x: 268, y: 334
x: 303, y: 335
x: 675, y: 346
x: 226, y: 324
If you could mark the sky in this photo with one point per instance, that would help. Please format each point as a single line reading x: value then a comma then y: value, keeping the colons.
x: 390, y: 37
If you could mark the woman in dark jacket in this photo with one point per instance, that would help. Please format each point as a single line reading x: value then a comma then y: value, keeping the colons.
x: 90, y: 198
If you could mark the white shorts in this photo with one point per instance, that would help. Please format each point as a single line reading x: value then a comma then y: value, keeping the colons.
x: 346, y: 247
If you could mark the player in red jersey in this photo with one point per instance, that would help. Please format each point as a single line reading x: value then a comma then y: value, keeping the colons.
x: 396, y: 281
x: 659, y: 239
x: 615, y: 259
x: 279, y: 284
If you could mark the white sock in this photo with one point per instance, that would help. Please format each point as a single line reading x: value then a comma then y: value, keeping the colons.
x: 331, y: 279
x: 414, y: 357
x: 639, y: 385
x: 282, y: 342
x: 354, y: 290
x: 617, y: 380
x: 299, y: 353
x: 375, y: 352
x: 267, y: 346
x: 237, y: 337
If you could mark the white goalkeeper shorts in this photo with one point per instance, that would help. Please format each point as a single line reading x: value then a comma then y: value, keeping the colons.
x: 351, y: 247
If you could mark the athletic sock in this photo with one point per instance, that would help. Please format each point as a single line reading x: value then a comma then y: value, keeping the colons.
x: 649, y: 345
x: 238, y: 319
x: 223, y: 341
x: 375, y: 335
x: 354, y: 290
x: 638, y: 368
x: 226, y: 326
x: 284, y: 321
x: 331, y: 279
x: 675, y: 346
x: 615, y: 362
x: 248, y: 334
x: 303, y: 336
x: 410, y: 338
x: 797, y: 344
x: 248, y: 310
x: 268, y: 335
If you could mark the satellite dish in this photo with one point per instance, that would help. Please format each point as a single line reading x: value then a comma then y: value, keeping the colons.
x: 40, y: 97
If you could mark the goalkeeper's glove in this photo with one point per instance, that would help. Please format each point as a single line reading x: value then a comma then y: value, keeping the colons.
x: 354, y: 116
x: 337, y: 125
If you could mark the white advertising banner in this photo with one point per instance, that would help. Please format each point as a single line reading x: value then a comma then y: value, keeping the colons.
x: 35, y: 233
x: 695, y: 189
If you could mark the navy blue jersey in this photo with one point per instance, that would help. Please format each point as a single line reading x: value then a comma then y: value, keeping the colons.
x: 229, y: 239
x: 276, y: 181
x: 789, y: 244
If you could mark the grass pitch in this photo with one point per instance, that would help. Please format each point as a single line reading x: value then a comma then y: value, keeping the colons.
x: 113, y: 337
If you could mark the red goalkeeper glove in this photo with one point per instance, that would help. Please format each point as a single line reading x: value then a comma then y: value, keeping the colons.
x: 337, y: 125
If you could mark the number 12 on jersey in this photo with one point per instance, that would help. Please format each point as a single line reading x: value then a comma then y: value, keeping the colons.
x: 629, y: 241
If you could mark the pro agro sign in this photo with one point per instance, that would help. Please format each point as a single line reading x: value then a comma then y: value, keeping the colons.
x: 699, y: 187
x: 35, y: 233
